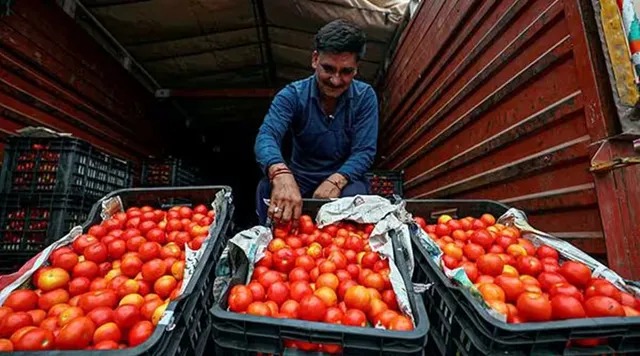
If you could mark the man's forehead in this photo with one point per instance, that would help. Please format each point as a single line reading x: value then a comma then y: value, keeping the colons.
x: 338, y: 59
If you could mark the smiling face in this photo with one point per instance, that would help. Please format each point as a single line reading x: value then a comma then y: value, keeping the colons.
x: 334, y: 72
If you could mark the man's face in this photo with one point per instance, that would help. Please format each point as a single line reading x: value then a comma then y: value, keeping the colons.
x: 334, y: 71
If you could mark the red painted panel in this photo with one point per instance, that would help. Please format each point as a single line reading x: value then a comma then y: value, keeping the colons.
x: 52, y: 74
x: 510, y: 110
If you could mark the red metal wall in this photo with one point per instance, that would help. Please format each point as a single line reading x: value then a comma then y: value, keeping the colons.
x: 499, y: 100
x: 53, y: 74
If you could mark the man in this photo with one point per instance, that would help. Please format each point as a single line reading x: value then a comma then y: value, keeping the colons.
x: 334, y: 123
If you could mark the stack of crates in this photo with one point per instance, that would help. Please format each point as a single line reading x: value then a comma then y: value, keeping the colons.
x: 385, y: 183
x: 48, y: 186
x: 168, y: 172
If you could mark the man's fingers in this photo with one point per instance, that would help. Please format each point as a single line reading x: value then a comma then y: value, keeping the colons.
x: 297, y: 211
x: 286, y: 214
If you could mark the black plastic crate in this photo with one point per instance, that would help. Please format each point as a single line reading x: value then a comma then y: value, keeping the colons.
x: 30, y: 222
x: 241, y: 334
x: 187, y: 332
x: 11, y: 262
x: 460, y: 326
x: 168, y: 172
x: 385, y: 183
x: 62, y: 165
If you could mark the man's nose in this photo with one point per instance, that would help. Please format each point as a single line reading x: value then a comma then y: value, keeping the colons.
x: 335, y: 80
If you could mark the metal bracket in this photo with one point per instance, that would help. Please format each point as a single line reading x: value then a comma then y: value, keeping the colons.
x: 604, y: 160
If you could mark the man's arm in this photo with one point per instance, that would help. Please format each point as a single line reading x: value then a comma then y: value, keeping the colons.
x: 364, y: 139
x: 268, y: 143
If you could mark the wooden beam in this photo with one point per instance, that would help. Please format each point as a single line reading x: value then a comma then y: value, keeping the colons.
x: 216, y: 93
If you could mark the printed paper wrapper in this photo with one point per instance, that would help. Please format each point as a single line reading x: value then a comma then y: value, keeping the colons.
x: 248, y: 246
x: 517, y: 218
x: 111, y: 206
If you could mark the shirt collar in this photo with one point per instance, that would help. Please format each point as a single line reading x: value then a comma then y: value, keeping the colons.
x: 315, y: 92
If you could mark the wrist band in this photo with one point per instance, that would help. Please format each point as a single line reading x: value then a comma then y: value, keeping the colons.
x: 275, y: 174
x: 278, y: 171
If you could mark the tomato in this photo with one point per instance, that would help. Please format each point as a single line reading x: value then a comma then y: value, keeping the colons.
x: 77, y: 334
x: 299, y: 289
x: 49, y: 299
x: 100, y: 298
x: 125, y: 316
x: 547, y: 252
x: 149, y: 250
x: 268, y: 278
x: 374, y: 280
x: 290, y: 308
x: 153, y: 269
x: 328, y: 280
x: 106, y: 345
x: 108, y: 331
x: 312, y: 308
x: 442, y: 230
x: 529, y: 265
x: 602, y: 288
x: 566, y: 307
x: 491, y: 291
x: 473, y: 251
x: 35, y: 339
x: 490, y: 264
x: 69, y: 314
x: 327, y: 295
x: 512, y: 287
x: 306, y: 262
x: 453, y: 250
x: 626, y: 299
x: 140, y: 332
x: 88, y: 269
x: 576, y: 273
x: 534, y: 307
x: 14, y: 321
x: 257, y: 290
x: 284, y: 260
x: 450, y: 262
x: 401, y: 323
x: 601, y: 306
x: 240, y: 298
x: 333, y: 315
x: 6, y: 345
x: 565, y: 289
x: 97, y: 253
x: 65, y: 261
x: 549, y: 279
x: 354, y: 317
x: 277, y: 292
x: 82, y: 242
x: 327, y: 267
x: 21, y: 300
x: 482, y: 238
x: 354, y: 243
x: 38, y: 316
x: 357, y: 297
x: 98, y: 231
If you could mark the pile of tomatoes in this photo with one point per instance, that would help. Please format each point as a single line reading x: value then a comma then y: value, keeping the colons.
x: 520, y: 281
x: 324, y: 275
x: 110, y: 287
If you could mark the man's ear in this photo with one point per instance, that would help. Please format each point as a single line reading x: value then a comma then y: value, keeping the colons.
x: 314, y: 59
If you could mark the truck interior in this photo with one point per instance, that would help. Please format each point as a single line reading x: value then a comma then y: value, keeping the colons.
x: 213, y: 66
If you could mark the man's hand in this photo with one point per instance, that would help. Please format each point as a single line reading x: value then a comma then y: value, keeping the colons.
x: 331, y: 187
x: 286, y: 202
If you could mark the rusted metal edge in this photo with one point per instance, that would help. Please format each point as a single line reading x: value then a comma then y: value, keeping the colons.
x: 553, y: 55
x: 617, y: 54
x: 562, y: 153
x: 548, y: 115
x: 511, y: 50
x: 604, y: 161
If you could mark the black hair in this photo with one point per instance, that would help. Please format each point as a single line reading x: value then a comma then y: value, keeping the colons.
x: 340, y: 36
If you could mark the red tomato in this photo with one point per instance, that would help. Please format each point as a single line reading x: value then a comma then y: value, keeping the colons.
x: 547, y: 252
x: 354, y: 317
x: 14, y: 321
x: 566, y: 307
x: 490, y: 264
x: 534, y: 307
x: 601, y: 306
x: 576, y: 273
x: 529, y: 265
x: 299, y: 289
x: 357, y: 297
x: 21, y: 300
x: 333, y: 315
x: 278, y: 292
x: 482, y: 238
x: 565, y: 289
x: 284, y: 260
x: 549, y: 279
x: 312, y: 308
x: 512, y: 287
x: 77, y: 334
x: 240, y: 298
x: 604, y: 288
x: 35, y: 339
x: 401, y: 322
x: 140, y: 332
